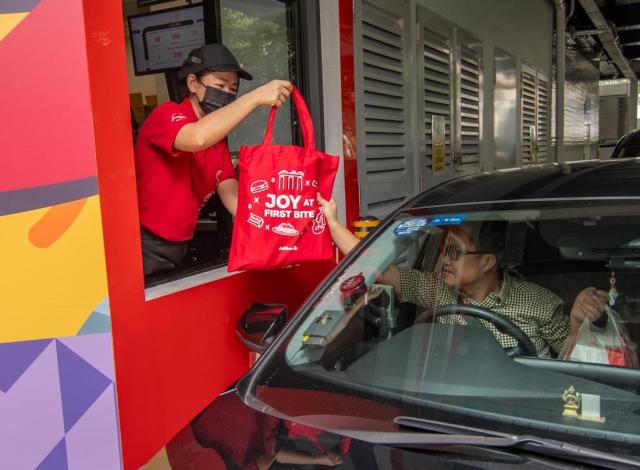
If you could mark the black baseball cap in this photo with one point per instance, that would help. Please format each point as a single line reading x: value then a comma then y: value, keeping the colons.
x: 214, y: 57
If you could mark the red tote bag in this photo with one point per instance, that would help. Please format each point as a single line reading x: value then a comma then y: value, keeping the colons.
x: 278, y: 221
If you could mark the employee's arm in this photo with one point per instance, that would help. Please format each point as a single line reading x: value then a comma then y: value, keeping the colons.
x: 215, y: 126
x: 228, y: 192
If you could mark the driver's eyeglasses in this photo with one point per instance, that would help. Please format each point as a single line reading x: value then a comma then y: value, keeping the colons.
x: 455, y: 252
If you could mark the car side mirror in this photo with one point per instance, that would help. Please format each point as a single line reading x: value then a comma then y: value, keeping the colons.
x: 260, y: 324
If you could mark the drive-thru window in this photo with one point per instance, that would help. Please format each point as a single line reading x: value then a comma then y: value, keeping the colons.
x: 266, y: 38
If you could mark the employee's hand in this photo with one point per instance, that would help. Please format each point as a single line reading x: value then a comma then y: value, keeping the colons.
x: 274, y: 93
x: 329, y: 208
x: 589, y: 304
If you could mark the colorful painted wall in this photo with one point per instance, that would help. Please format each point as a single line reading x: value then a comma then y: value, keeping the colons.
x: 71, y: 264
x: 57, y: 392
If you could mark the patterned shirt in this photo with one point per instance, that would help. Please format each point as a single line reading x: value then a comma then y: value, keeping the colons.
x: 537, y: 311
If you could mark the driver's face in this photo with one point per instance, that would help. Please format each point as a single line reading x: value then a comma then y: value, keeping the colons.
x: 461, y: 266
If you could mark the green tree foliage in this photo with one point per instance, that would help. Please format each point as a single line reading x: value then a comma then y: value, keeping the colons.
x: 260, y: 42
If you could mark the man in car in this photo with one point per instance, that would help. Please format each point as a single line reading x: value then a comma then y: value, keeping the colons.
x: 468, y: 272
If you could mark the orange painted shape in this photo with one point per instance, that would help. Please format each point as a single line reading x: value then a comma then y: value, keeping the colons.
x: 54, y: 223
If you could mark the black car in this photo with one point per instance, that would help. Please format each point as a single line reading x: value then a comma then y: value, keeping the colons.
x: 628, y: 146
x: 359, y: 379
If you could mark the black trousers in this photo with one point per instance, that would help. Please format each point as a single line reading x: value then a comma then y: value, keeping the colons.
x: 159, y: 254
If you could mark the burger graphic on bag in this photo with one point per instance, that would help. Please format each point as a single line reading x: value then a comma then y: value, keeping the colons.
x: 259, y: 186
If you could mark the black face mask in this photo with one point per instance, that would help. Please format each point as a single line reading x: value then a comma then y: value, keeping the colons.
x: 215, y: 98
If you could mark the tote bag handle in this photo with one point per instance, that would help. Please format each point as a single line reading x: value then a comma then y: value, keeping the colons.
x: 306, y: 124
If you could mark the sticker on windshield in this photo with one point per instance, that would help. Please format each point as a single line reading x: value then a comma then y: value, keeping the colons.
x: 452, y: 219
x: 410, y: 226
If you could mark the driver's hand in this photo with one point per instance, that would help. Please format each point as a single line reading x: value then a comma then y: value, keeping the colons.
x: 589, y: 304
x: 329, y: 208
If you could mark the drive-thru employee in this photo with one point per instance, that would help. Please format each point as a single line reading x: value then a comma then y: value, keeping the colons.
x: 182, y: 156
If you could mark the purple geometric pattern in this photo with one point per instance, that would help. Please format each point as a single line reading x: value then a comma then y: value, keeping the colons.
x: 31, y: 422
x: 80, y: 383
x: 93, y: 442
x: 53, y: 387
x: 95, y: 349
x: 57, y: 458
x: 15, y: 358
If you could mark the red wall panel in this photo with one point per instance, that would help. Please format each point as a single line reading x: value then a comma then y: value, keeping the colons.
x: 352, y: 195
x: 174, y: 354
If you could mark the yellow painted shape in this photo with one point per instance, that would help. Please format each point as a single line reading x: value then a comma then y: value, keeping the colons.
x: 8, y: 21
x: 50, y: 292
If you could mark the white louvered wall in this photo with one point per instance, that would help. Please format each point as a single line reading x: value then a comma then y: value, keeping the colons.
x: 528, y: 113
x: 535, y: 109
x: 543, y: 118
x: 469, y: 119
x: 437, y: 89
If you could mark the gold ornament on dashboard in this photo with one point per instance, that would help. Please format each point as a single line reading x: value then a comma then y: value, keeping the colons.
x: 571, y: 400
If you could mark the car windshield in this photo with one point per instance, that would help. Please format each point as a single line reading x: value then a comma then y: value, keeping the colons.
x: 519, y: 318
x: 629, y: 151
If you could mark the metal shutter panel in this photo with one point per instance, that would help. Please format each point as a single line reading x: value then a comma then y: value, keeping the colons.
x: 542, y: 112
x: 384, y: 155
x: 528, y: 113
x: 436, y: 67
x: 469, y: 120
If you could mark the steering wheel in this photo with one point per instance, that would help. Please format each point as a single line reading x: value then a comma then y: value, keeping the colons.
x: 502, y: 324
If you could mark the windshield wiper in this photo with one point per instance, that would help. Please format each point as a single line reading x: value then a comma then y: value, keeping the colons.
x: 455, y: 434
x: 527, y: 442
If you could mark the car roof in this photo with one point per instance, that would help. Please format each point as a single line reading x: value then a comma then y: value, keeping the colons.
x: 630, y: 139
x: 573, y: 180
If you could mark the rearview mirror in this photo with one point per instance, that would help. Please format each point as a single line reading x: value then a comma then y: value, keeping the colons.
x: 260, y: 324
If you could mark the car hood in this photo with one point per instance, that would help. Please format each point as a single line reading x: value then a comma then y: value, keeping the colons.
x: 242, y: 436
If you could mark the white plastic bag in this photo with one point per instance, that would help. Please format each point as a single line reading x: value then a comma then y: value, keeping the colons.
x: 609, y: 345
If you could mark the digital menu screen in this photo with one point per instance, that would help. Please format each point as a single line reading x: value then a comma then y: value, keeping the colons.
x: 160, y: 41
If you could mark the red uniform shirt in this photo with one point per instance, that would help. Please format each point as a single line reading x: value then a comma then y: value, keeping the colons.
x: 172, y: 184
